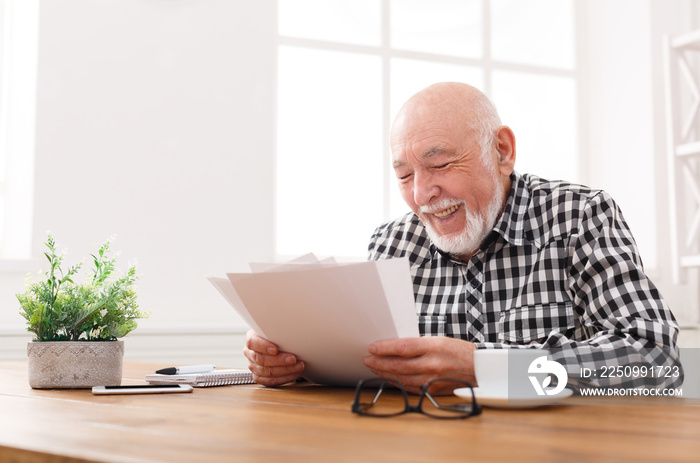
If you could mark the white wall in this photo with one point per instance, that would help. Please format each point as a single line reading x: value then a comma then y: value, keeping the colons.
x: 155, y: 123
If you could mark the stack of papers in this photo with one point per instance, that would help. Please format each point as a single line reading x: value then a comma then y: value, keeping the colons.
x: 325, y: 312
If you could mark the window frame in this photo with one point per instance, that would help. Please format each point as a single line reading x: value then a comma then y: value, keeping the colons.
x: 486, y: 63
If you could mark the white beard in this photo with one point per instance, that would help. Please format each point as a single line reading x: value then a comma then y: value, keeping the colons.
x: 476, y: 229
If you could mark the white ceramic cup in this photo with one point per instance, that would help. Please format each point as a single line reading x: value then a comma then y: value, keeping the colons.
x: 499, y: 371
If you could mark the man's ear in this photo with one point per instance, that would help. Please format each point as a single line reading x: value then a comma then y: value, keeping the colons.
x: 505, y: 145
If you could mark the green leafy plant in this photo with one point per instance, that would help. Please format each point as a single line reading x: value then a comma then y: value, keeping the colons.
x: 103, y: 308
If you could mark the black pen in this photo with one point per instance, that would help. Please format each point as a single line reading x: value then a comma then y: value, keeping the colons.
x: 186, y: 370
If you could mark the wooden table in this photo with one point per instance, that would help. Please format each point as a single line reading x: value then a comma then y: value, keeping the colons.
x: 314, y: 423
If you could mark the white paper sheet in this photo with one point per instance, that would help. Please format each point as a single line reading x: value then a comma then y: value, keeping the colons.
x: 326, y: 313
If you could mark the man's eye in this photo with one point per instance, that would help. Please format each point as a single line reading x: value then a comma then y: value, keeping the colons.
x: 441, y: 166
x: 405, y: 176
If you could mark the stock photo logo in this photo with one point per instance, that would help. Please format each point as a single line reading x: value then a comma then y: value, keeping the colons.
x: 541, y: 366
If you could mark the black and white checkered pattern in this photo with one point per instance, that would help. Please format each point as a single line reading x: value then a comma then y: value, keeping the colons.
x: 560, y: 271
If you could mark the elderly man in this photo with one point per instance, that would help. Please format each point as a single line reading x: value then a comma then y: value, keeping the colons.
x: 500, y: 259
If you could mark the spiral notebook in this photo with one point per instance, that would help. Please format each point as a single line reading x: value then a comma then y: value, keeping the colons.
x: 212, y: 378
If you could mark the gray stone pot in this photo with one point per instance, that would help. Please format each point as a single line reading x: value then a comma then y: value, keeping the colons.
x: 75, y: 364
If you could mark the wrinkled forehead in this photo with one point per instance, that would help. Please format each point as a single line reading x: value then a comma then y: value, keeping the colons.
x: 431, y: 127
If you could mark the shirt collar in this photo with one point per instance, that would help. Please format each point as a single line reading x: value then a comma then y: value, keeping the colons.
x: 511, y: 225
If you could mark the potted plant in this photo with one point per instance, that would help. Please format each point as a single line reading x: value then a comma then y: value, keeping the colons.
x: 77, y: 326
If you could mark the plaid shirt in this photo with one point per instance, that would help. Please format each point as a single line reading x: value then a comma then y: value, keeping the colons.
x: 560, y: 271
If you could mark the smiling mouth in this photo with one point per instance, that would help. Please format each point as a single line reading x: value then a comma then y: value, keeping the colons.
x: 446, y: 212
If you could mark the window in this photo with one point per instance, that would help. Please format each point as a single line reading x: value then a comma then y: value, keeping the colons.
x: 19, y: 21
x: 346, y: 66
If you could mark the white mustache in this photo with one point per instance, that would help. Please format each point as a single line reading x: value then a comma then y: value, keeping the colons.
x: 440, y: 206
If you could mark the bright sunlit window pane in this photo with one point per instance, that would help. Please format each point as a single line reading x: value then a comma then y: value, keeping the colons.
x: 541, y: 110
x: 407, y: 78
x: 331, y: 102
x: 17, y: 134
x: 536, y: 32
x: 443, y: 27
x: 347, y: 21
x: 329, y: 162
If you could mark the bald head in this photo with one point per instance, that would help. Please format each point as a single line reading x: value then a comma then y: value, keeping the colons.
x: 452, y: 95
x: 462, y: 107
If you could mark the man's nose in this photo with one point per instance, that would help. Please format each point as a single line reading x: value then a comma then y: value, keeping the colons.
x: 425, y: 189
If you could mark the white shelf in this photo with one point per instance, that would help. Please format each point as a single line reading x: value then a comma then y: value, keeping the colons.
x: 690, y: 261
x: 688, y: 149
x: 690, y: 40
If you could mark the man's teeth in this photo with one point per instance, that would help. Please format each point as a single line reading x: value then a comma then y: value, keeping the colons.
x: 446, y: 212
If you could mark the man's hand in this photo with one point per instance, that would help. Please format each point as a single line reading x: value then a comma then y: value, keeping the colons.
x: 269, y: 366
x: 415, y: 361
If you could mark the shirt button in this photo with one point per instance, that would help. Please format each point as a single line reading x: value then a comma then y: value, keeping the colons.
x: 519, y: 334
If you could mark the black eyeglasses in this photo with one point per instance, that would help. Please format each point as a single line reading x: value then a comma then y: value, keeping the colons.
x: 382, y: 398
